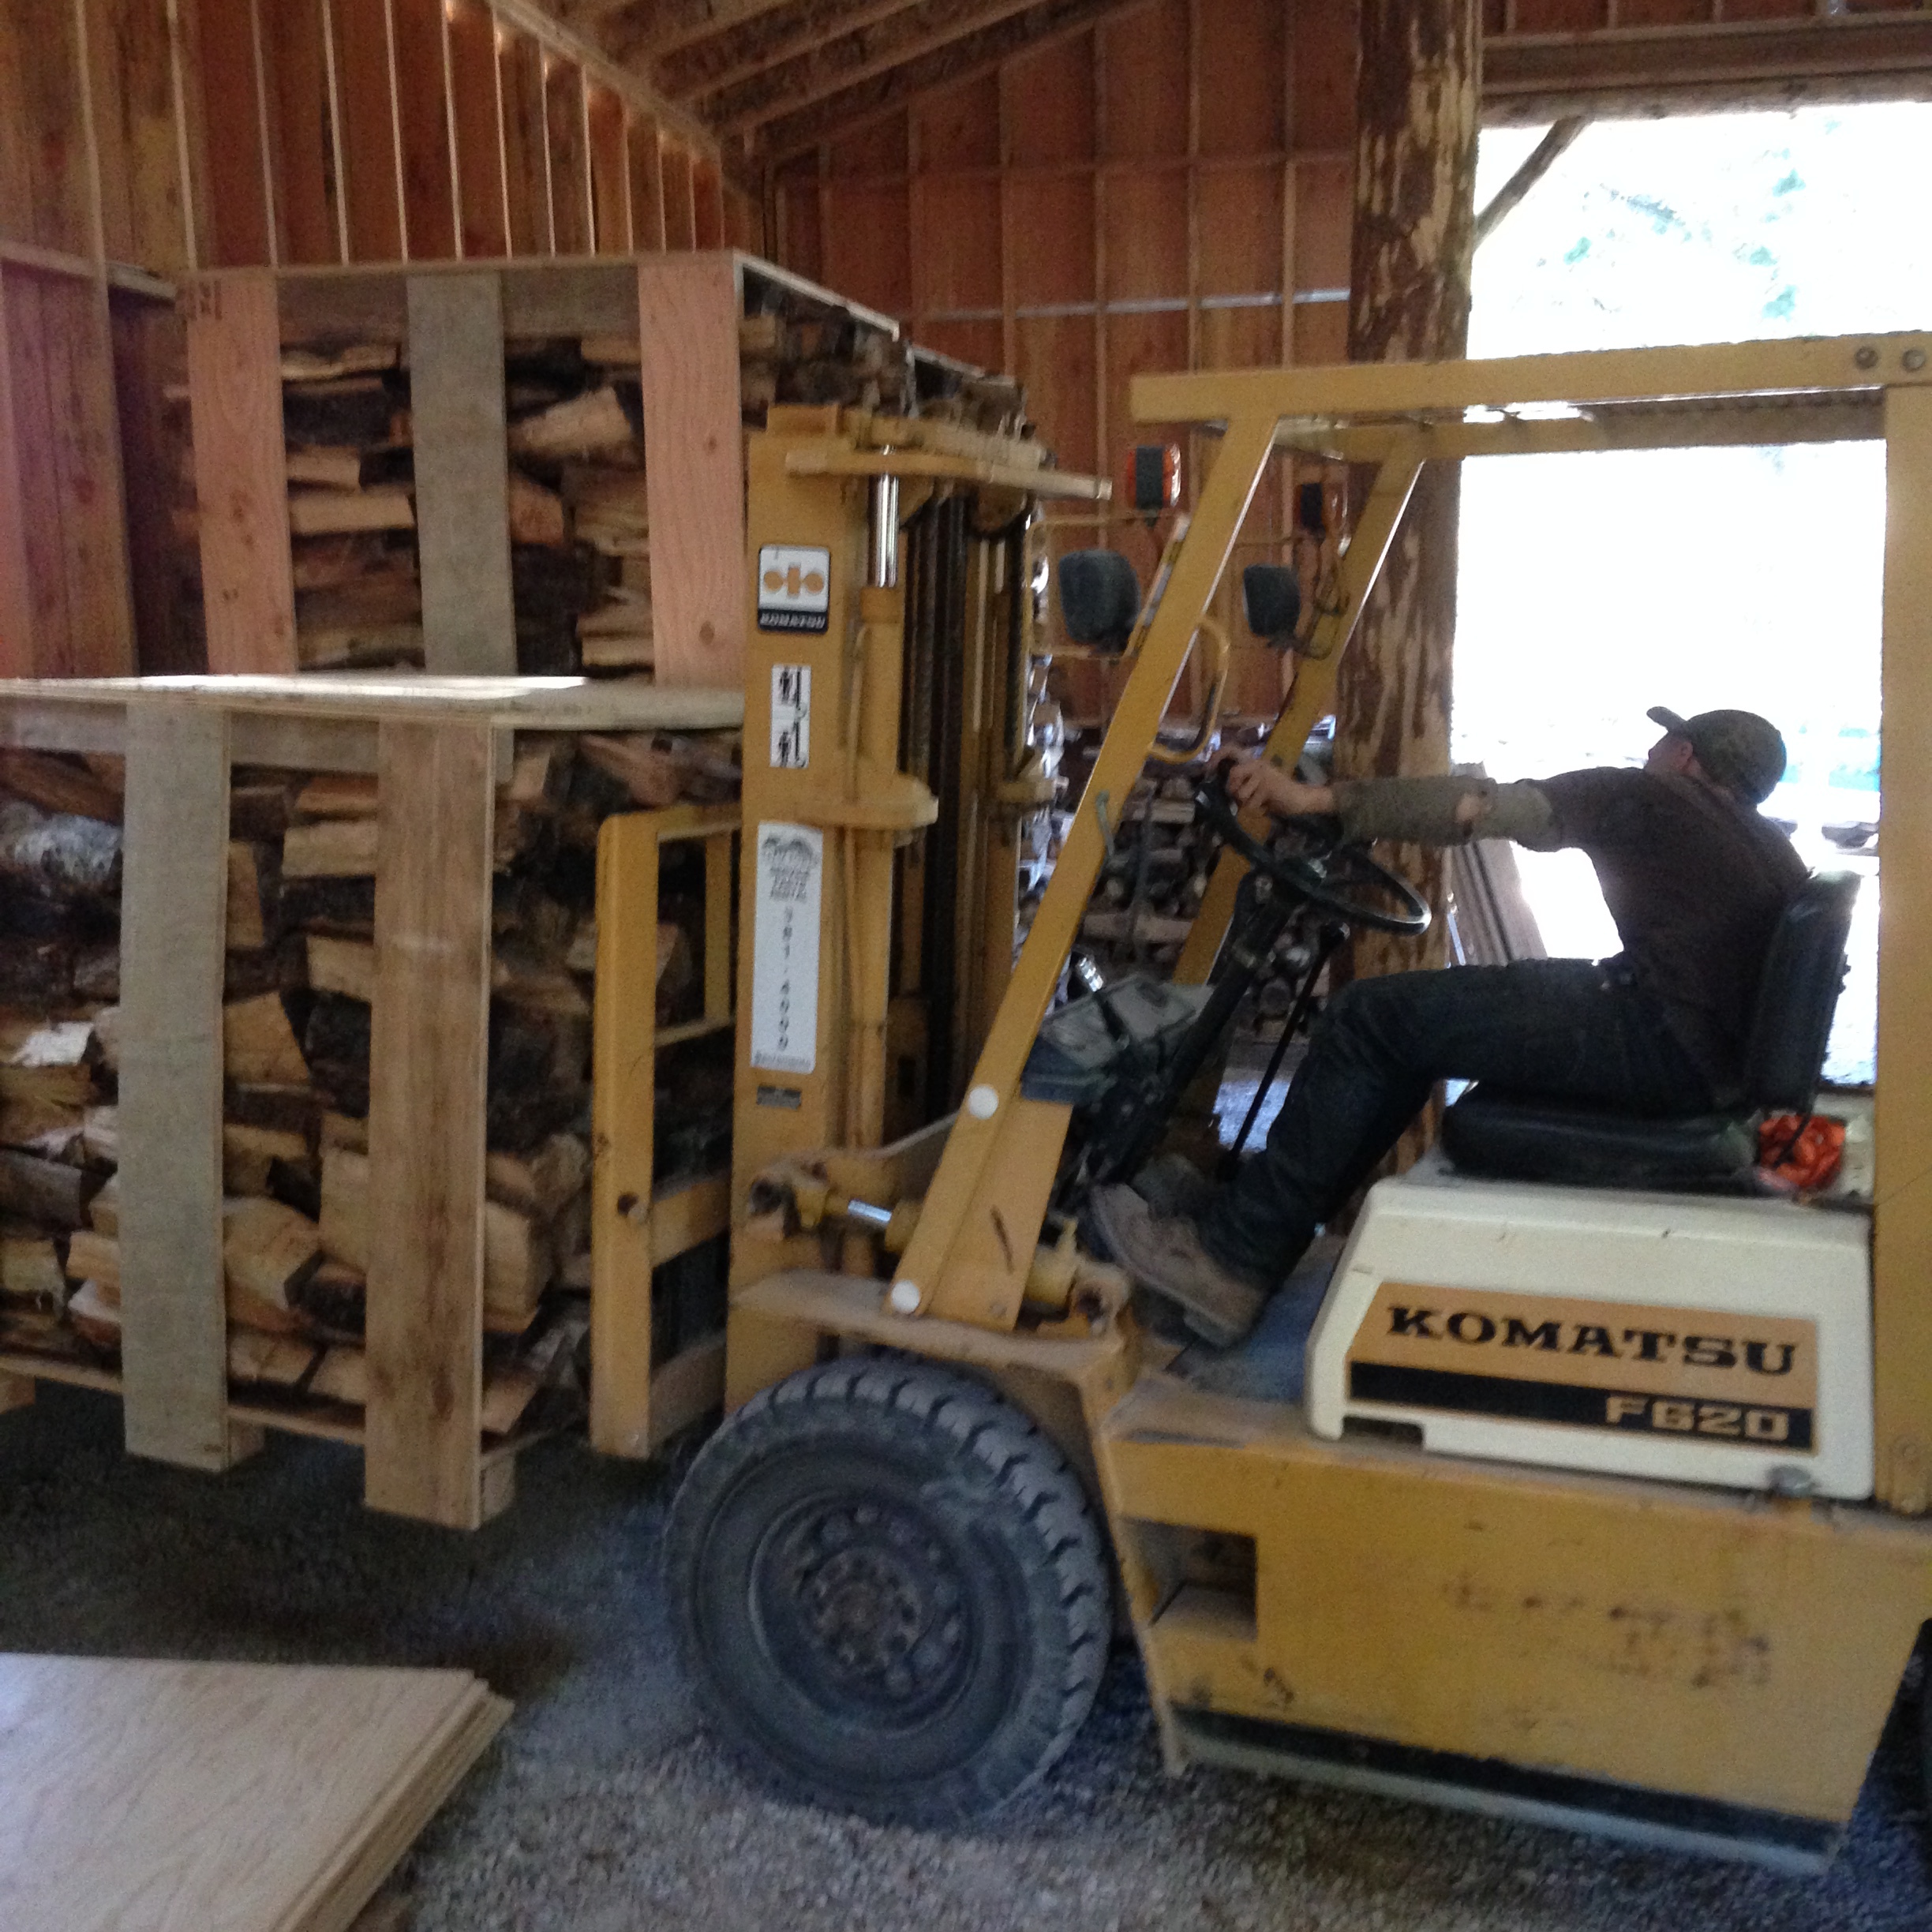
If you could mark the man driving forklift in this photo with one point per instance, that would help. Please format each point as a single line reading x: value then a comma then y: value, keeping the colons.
x: 1695, y: 880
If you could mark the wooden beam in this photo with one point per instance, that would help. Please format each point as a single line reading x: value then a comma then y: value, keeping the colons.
x: 1416, y: 115
x: 462, y: 485
x: 235, y: 385
x: 429, y: 1045
x: 1541, y: 159
x: 174, y: 1349
x: 830, y: 67
x: 711, y: 66
x: 1639, y: 70
x: 788, y: 130
x: 476, y: 104
x: 649, y: 33
x: 688, y: 314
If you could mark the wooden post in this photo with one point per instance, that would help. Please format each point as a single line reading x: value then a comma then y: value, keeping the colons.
x: 1415, y: 181
x: 174, y: 1359
x: 428, y: 1052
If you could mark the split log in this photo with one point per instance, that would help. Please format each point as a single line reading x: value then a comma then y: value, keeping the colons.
x: 93, y: 1318
x: 330, y: 563
x: 274, y: 1360
x: 95, y: 1257
x: 267, y: 1251
x: 613, y: 351
x: 57, y: 786
x: 326, y: 365
x: 343, y: 906
x: 653, y: 778
x: 379, y: 598
x: 249, y: 1153
x: 58, y: 851
x: 259, y: 1045
x: 269, y: 969
x: 104, y: 1209
x: 338, y: 795
x: 330, y: 469
x: 517, y: 1263
x: 344, y: 966
x: 258, y: 812
x: 281, y: 1107
x: 358, y: 412
x: 336, y: 1298
x: 622, y: 651
x: 542, y: 1183
x: 536, y: 514
x: 330, y: 848
x: 575, y: 427
x: 30, y: 1268
x: 323, y: 513
x: 254, y: 895
x: 97, y: 974
x: 37, y: 971
x: 47, y: 1129
x: 100, y: 1140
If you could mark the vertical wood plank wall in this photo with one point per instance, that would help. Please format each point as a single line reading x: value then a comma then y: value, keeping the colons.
x: 143, y: 140
x: 1170, y: 190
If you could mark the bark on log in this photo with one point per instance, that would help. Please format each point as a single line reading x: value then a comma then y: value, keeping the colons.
x: 57, y: 851
x: 1417, y: 121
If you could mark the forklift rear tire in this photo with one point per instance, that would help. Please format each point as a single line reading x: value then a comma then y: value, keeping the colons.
x: 889, y: 1590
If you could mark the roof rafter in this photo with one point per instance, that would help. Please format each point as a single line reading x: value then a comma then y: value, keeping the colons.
x: 802, y: 26
x: 979, y: 49
x: 652, y: 28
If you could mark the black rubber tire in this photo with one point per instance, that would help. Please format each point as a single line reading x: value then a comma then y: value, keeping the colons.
x: 889, y: 1591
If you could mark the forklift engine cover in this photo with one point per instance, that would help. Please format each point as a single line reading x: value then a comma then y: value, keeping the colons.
x: 1691, y: 1338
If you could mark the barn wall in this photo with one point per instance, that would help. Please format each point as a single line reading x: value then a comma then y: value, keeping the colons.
x: 140, y: 139
x: 1170, y: 190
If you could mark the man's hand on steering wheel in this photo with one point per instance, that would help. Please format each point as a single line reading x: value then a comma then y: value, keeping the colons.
x: 1340, y: 879
x: 1256, y: 785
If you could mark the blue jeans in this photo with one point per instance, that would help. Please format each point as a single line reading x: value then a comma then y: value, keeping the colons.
x: 1561, y: 1029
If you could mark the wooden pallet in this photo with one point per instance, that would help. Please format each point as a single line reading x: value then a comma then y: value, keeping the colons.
x: 437, y: 746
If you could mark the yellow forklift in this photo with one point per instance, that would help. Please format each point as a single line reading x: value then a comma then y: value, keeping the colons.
x: 1669, y: 1596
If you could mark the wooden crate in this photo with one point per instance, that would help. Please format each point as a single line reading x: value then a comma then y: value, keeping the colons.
x: 438, y: 748
x: 451, y: 321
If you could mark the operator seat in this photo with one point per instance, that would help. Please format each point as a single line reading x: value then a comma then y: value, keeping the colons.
x: 1521, y: 1137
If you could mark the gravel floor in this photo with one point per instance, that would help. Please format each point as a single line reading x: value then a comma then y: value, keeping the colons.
x: 604, y: 1809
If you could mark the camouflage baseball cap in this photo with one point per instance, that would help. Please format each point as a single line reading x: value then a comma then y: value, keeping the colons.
x: 1740, y: 751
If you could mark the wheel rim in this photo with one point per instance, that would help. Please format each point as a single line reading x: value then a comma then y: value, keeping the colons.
x: 859, y: 1601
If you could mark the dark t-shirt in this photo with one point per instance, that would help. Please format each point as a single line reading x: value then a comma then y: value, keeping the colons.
x: 1695, y: 880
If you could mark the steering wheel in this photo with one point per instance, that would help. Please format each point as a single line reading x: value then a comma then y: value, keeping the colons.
x: 1340, y: 879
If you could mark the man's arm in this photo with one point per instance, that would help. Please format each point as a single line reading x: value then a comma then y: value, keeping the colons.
x: 1418, y: 811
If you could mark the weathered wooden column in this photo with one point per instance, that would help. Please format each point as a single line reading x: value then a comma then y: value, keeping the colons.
x: 1416, y: 108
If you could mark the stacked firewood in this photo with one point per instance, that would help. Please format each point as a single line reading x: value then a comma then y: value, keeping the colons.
x: 352, y: 514
x: 579, y: 519
x: 296, y: 1024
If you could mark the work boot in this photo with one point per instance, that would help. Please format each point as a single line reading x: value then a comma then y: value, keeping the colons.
x: 1166, y: 1258
x: 1170, y: 1183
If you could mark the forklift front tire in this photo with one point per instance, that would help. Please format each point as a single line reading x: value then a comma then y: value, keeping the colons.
x: 890, y: 1593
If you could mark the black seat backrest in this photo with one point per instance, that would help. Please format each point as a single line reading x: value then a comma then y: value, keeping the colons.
x: 1803, y: 971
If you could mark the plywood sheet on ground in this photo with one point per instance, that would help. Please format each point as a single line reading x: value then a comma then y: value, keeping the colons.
x: 150, y: 1796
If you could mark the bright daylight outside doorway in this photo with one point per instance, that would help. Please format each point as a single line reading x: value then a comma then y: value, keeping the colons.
x: 1594, y: 586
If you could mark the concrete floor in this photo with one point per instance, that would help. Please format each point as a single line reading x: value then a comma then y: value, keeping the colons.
x: 604, y: 1809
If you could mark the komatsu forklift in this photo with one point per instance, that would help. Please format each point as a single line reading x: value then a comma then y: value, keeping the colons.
x: 1599, y: 1493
